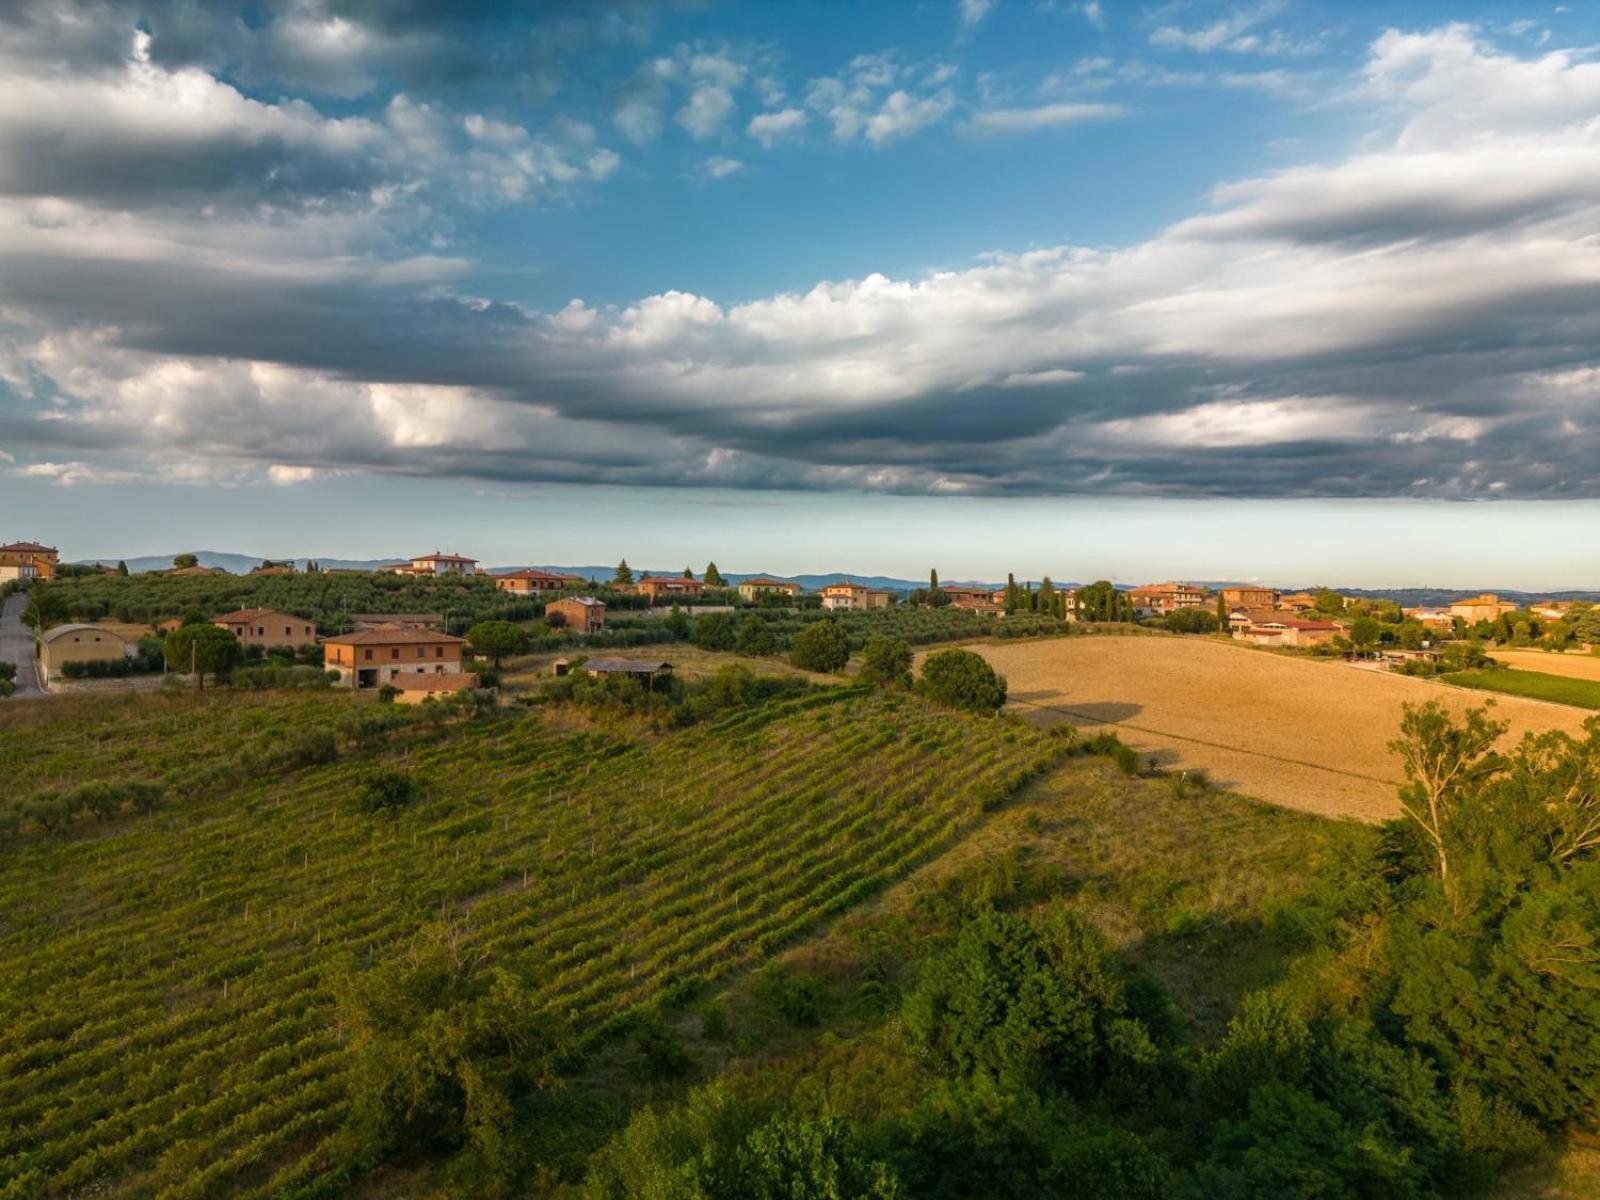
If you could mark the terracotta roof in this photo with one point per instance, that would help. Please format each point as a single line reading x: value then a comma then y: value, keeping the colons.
x: 29, y: 548
x: 240, y: 616
x: 623, y: 666
x: 389, y: 635
x: 437, y: 557
x: 768, y: 581
x: 586, y: 601
x: 452, y: 681
x: 669, y: 579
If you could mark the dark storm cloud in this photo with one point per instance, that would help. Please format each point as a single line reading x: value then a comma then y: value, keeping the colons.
x: 193, y: 271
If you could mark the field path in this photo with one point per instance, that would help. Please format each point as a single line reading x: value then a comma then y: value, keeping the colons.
x: 16, y: 645
x: 1307, y: 734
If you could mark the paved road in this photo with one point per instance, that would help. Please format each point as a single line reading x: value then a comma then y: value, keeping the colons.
x: 16, y: 645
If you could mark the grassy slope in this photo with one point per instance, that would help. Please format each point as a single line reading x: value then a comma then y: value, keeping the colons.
x: 1535, y: 685
x: 178, y: 970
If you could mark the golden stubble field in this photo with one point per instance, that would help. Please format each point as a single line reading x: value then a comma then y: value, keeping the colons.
x: 1307, y: 734
x: 1572, y: 664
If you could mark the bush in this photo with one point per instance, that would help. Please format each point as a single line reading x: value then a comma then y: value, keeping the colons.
x: 1191, y: 620
x: 387, y: 790
x: 886, y: 662
x: 821, y: 646
x: 798, y: 999
x: 712, y: 631
x: 962, y: 679
x: 756, y: 637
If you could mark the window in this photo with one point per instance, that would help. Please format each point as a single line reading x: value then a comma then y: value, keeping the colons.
x: 438, y: 651
x: 395, y: 653
x: 422, y: 652
x: 369, y: 655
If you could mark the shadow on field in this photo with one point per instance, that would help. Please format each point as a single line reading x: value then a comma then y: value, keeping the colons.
x: 1079, y: 712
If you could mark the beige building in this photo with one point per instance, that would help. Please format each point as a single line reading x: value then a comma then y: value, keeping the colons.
x: 1247, y: 597
x: 1486, y: 607
x: 582, y: 614
x: 267, y: 627
x: 1271, y: 630
x: 416, y: 687
x: 531, y: 582
x: 373, y: 657
x: 78, y: 643
x: 28, y: 560
x: 655, y: 588
x: 757, y: 586
x: 1158, y: 599
x: 853, y: 596
x: 438, y: 564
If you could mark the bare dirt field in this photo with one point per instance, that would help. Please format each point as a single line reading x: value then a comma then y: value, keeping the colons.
x: 1307, y: 734
x: 1573, y: 664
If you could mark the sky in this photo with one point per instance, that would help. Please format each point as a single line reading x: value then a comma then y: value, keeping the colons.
x: 1272, y: 289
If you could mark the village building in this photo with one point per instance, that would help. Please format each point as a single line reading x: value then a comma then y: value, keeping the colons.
x: 437, y: 564
x: 1298, y: 602
x: 759, y: 586
x: 420, y: 620
x: 963, y: 597
x: 1243, y: 596
x: 28, y: 560
x: 267, y: 627
x: 853, y: 597
x: 672, y: 587
x: 581, y: 614
x: 1278, y: 630
x: 373, y: 657
x: 414, y: 688
x: 1158, y: 599
x: 983, y: 604
x: 1486, y: 607
x: 78, y: 643
x: 1432, y: 618
x: 530, y: 582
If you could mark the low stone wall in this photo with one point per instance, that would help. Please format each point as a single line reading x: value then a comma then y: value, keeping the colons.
x: 124, y: 683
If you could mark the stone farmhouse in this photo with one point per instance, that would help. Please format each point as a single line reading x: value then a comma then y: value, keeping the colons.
x: 671, y: 587
x: 854, y: 596
x: 27, y: 560
x: 582, y: 614
x: 373, y: 657
x: 758, y: 586
x: 267, y: 627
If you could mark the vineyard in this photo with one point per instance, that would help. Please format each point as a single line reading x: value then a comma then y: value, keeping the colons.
x: 170, y: 980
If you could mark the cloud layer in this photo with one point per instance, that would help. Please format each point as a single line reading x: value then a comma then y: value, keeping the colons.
x: 197, y: 272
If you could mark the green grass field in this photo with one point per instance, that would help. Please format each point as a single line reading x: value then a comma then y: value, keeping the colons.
x: 169, y: 978
x: 1535, y: 685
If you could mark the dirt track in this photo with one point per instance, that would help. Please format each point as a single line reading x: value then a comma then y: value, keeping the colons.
x: 1303, y: 733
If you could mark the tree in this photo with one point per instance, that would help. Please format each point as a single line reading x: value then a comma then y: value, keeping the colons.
x: 122, y: 568
x: 185, y: 560
x: 756, y: 637
x: 963, y: 679
x: 624, y: 575
x: 1444, y: 764
x: 1328, y: 601
x: 886, y: 662
x: 497, y: 639
x: 202, y: 649
x: 713, y: 577
x: 713, y: 631
x: 687, y: 573
x: 1102, y: 601
x: 1364, y: 633
x: 1190, y: 620
x: 821, y: 646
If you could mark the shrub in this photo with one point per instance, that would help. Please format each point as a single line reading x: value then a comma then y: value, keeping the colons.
x: 756, y: 637
x: 712, y: 631
x: 387, y: 790
x: 821, y: 646
x: 962, y: 679
x: 798, y: 999
x: 886, y: 662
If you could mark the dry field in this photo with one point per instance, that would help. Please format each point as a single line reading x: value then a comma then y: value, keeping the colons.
x: 1307, y: 734
x: 1573, y: 664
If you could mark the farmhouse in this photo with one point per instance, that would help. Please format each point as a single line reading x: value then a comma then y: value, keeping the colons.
x: 422, y: 620
x: 267, y: 627
x: 982, y: 604
x: 1298, y: 602
x: 372, y: 657
x: 1433, y: 618
x: 1243, y: 596
x: 415, y: 688
x: 673, y: 587
x: 27, y: 560
x: 1287, y: 631
x: 438, y: 564
x: 526, y: 583
x: 1486, y: 607
x: 78, y: 643
x: 1158, y: 599
x: 757, y: 586
x: 961, y: 597
x: 851, y: 596
x: 582, y: 614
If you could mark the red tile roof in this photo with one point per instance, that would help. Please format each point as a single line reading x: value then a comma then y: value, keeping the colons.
x: 389, y: 635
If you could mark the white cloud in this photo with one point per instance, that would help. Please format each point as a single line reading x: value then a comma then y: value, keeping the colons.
x: 718, y: 167
x: 1093, y: 13
x: 770, y: 128
x: 974, y: 11
x: 1045, y: 116
x: 1231, y: 33
x: 707, y: 110
x: 863, y: 101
